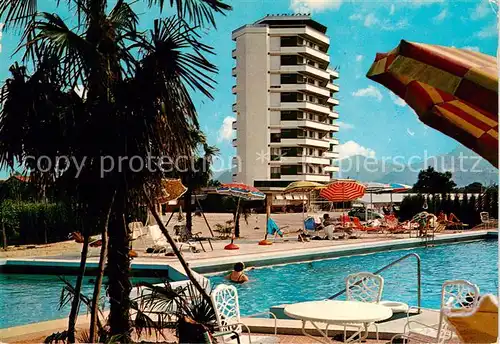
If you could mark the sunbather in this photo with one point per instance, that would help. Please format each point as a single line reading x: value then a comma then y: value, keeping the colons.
x: 238, y: 275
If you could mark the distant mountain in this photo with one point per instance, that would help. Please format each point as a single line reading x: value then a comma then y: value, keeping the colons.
x: 224, y: 176
x: 465, y: 165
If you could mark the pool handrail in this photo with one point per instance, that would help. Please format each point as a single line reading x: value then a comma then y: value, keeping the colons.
x: 419, y: 279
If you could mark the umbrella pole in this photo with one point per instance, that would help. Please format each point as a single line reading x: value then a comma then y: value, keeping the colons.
x: 371, y: 202
x: 204, y: 217
x: 303, y: 210
x: 236, y: 217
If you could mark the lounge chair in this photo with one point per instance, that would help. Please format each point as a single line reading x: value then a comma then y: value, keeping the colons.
x: 456, y: 297
x: 358, y: 226
x: 185, y: 237
x: 161, y: 243
x: 392, y: 225
x: 139, y: 231
x: 227, y: 312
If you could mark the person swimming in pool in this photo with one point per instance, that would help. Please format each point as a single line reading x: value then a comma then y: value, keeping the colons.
x: 238, y: 275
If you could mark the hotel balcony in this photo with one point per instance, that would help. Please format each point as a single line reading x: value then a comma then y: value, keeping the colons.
x: 334, y: 142
x: 233, y: 71
x: 308, y: 51
x: 291, y: 142
x: 233, y: 53
x: 305, y: 105
x: 333, y: 87
x: 331, y: 168
x: 234, y: 125
x: 333, y: 114
x: 333, y: 101
x: 235, y: 109
x: 330, y: 155
x: 303, y: 31
x: 292, y: 160
x: 303, y: 123
x: 306, y: 69
x: 304, y: 88
x: 234, y: 143
x: 333, y: 73
x: 234, y: 89
x: 308, y: 177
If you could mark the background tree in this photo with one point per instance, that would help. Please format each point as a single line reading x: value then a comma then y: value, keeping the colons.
x: 431, y: 181
x: 475, y: 187
x: 197, y: 174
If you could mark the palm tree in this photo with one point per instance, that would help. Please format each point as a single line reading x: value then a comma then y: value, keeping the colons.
x: 197, y: 174
x: 136, y: 105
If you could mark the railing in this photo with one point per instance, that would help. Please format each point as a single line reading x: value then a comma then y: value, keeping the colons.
x: 419, y: 279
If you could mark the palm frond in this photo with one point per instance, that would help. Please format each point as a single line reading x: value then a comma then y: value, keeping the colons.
x: 123, y: 18
x: 17, y: 13
x: 198, y: 12
x: 49, y: 35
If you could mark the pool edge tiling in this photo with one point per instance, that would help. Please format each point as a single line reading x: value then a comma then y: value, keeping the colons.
x: 144, y: 267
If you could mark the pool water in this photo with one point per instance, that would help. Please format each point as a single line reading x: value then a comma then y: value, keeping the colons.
x: 26, y: 299
x: 474, y: 261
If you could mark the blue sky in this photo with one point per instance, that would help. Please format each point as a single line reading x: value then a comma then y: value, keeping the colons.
x: 372, y: 120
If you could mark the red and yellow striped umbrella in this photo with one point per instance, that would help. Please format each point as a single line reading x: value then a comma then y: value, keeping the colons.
x: 343, y: 191
x: 452, y: 90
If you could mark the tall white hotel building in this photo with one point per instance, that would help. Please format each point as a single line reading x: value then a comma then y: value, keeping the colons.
x: 285, y: 103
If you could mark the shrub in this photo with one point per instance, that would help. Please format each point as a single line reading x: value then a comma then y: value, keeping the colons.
x: 36, y: 222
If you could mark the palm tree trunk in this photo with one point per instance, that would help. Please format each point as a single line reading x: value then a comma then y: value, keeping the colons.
x: 75, y: 304
x: 118, y: 269
x: 94, y: 312
x: 4, y: 236
x: 177, y: 253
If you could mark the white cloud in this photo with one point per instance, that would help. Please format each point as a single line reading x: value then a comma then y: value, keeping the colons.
x: 344, y: 125
x: 397, y: 100
x: 308, y: 6
x: 359, y: 58
x: 356, y: 16
x: 393, y: 9
x: 352, y: 148
x: 371, y: 20
x: 471, y: 48
x: 488, y: 31
x: 419, y: 3
x: 441, y: 16
x: 481, y: 10
x: 370, y: 91
x: 226, y: 129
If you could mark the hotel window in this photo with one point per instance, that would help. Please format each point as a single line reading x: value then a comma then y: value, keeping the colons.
x: 275, y: 137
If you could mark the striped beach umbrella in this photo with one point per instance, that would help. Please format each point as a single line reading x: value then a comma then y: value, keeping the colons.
x: 396, y: 187
x: 241, y: 190
x: 302, y: 187
x: 452, y: 90
x: 343, y: 191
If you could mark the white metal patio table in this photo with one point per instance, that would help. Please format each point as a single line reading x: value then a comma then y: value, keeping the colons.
x: 333, y: 312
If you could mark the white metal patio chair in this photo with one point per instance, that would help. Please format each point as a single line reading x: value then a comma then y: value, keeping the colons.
x: 363, y: 287
x: 456, y: 296
x: 485, y: 220
x: 227, y: 312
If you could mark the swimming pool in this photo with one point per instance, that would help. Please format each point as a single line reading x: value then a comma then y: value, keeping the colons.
x: 26, y: 299
x: 271, y: 286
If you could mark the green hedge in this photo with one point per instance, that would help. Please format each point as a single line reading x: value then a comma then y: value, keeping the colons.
x: 35, y: 222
